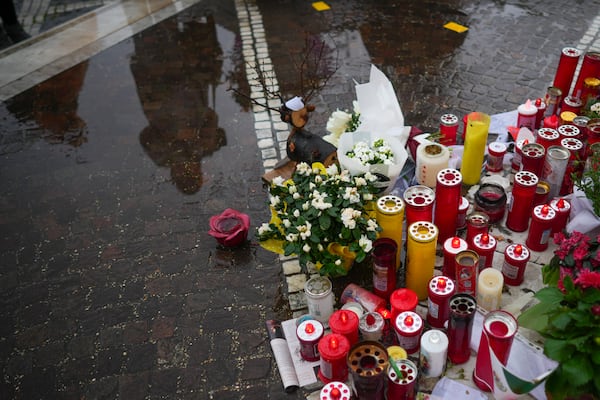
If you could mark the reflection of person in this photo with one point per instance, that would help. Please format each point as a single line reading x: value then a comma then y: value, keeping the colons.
x: 174, y: 66
x: 11, y: 32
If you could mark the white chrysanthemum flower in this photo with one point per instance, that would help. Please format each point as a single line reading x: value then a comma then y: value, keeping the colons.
x: 338, y: 262
x: 264, y: 228
x: 595, y: 107
x: 293, y: 189
x: 292, y: 237
x: 337, y: 122
x: 306, y: 248
x: 312, y: 186
x: 332, y: 170
x: 278, y: 181
x: 296, y: 196
x: 320, y: 203
x: 274, y: 200
x: 286, y: 223
x: 305, y: 206
x: 360, y: 181
x: 303, y: 168
x: 365, y: 243
x: 296, y: 213
x: 304, y: 230
x: 318, y: 179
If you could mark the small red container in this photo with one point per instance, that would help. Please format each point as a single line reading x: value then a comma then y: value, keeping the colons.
x: 515, y: 163
x: 370, y: 301
x: 484, y: 245
x: 447, y: 193
x: 516, y: 257
x: 448, y: 129
x: 461, y: 217
x: 419, y: 201
x: 452, y: 246
x: 541, y: 110
x: 335, y: 391
x: 490, y: 199
x: 562, y: 207
x: 401, y: 300
x: 384, y: 267
x: 533, y: 155
x: 333, y: 349
x: 460, y: 325
x: 569, y: 131
x: 309, y: 332
x: 405, y: 386
x: 477, y: 222
x: 409, y: 326
x: 548, y: 137
x: 565, y: 72
x: 521, y: 202
x: 467, y: 266
x: 345, y: 322
x: 441, y: 289
x: 495, y: 158
x: 542, y: 221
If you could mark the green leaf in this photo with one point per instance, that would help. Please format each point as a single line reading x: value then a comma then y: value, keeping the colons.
x: 549, y: 295
x: 551, y: 272
x: 324, y: 221
x: 560, y: 321
x: 534, y: 318
x: 578, y: 370
x: 558, y: 350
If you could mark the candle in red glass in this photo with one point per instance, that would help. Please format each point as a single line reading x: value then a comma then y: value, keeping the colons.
x: 477, y: 222
x: 593, y: 131
x: 571, y: 104
x: 490, y: 199
x: 333, y: 349
x: 484, y: 245
x: 541, y: 110
x: 533, y: 155
x: 309, y: 332
x: 569, y: 58
x: 542, y: 220
x: 419, y: 201
x: 590, y: 67
x: 516, y: 257
x: 345, y: 323
x: 460, y: 325
x: 448, y: 129
x: 499, y: 329
x: 562, y: 208
x: 409, y: 326
x: 441, y: 289
x: 452, y: 246
x: 401, y: 300
x: 580, y: 122
x: 370, y: 301
x: 547, y: 137
x: 515, y: 163
x: 384, y: 267
x: 467, y: 266
x: 495, y: 157
x: 461, y: 218
x: 447, y: 193
x: 403, y: 386
x: 551, y: 121
x: 521, y: 202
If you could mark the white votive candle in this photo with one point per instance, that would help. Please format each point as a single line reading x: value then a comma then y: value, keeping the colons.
x: 489, y: 289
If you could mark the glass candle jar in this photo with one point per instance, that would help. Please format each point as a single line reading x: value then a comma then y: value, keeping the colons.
x: 390, y: 217
x: 495, y: 158
x: 490, y: 199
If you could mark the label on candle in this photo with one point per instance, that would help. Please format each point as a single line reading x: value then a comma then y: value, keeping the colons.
x: 545, y: 236
x: 510, y: 270
x: 433, y: 308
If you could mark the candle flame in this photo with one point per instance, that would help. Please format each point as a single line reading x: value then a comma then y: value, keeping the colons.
x: 538, y: 102
x: 518, y: 249
x: 560, y: 203
x: 545, y: 209
x: 344, y: 316
x: 409, y: 321
x: 385, y: 313
x: 526, y: 141
x: 441, y: 283
x: 333, y: 343
x: 309, y: 328
x: 455, y: 242
x: 335, y: 393
x: 485, y: 238
x: 370, y: 319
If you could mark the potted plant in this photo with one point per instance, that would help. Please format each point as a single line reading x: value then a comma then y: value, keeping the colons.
x: 323, y: 216
x: 567, y: 316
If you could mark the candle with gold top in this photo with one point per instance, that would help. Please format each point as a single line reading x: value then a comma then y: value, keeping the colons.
x: 478, y: 124
x: 420, y: 256
x: 390, y: 217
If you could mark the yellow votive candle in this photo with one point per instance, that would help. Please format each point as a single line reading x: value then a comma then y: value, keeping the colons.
x: 476, y: 134
x: 390, y: 217
x: 420, y: 256
x: 489, y: 289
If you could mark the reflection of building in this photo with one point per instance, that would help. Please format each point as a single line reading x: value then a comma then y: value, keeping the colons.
x: 176, y: 67
x: 53, y: 106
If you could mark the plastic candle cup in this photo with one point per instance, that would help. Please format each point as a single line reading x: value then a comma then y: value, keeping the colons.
x: 333, y: 349
x: 467, y: 266
x: 477, y: 222
x: 371, y: 326
x: 521, y: 202
x: 419, y: 200
x: 532, y: 158
x: 542, y: 222
x: 460, y: 325
x: 434, y: 351
x: 448, y: 197
x: 452, y: 246
x: 547, y: 137
x: 402, y: 385
x: 409, y: 326
x: 309, y: 333
x: 441, y: 289
x: 489, y: 289
x: 484, y: 245
x: 555, y: 167
x: 345, y: 322
x: 431, y: 159
x: 420, y: 256
x: 448, y: 129
x: 461, y: 217
x: 390, y: 217
x: 562, y: 207
x: 401, y: 300
x: 384, y: 267
x: 335, y: 391
x: 367, y: 365
x: 516, y: 257
x: 527, y: 115
x: 475, y: 143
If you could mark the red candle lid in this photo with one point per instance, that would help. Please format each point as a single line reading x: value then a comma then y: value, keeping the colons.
x: 343, y: 322
x: 333, y: 346
x: 548, y: 133
x: 526, y: 178
x: 419, y: 196
x: 568, y: 130
x: 517, y: 252
x: 335, y: 391
x: 484, y: 241
x: 409, y: 322
x: 544, y: 212
x: 441, y: 285
x: 449, y: 177
x: 404, y: 300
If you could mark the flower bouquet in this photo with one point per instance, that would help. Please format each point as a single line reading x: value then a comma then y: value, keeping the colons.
x: 568, y: 317
x: 323, y: 216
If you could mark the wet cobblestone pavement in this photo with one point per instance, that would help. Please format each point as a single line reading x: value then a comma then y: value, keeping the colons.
x: 110, y: 286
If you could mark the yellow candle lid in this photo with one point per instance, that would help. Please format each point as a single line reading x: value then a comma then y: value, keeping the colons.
x: 397, y: 352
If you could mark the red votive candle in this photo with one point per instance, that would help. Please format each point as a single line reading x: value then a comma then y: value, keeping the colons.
x: 467, y: 266
x: 551, y: 121
x: 345, y: 322
x: 419, y: 201
x: 576, y: 149
x: 401, y: 300
x: 548, y: 137
x: 384, y: 267
x: 521, y: 202
x: 447, y: 193
x: 515, y: 163
x: 562, y: 207
x: 461, y: 218
x: 452, y: 246
x: 333, y: 349
x: 448, y: 129
x: 484, y: 245
x: 542, y: 220
x: 490, y: 199
x: 590, y: 67
x: 409, y: 326
x: 477, y: 222
x: 516, y: 257
x: 533, y: 155
x: 495, y: 157
x: 499, y: 329
x: 441, y: 289
x: 460, y: 325
x: 569, y: 131
x: 569, y: 58
x: 309, y: 332
x: 541, y: 110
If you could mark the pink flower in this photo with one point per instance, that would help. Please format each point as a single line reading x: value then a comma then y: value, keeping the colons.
x: 230, y: 228
x: 588, y: 279
x: 580, y: 252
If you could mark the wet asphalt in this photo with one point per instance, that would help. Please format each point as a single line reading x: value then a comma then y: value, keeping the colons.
x: 110, y: 286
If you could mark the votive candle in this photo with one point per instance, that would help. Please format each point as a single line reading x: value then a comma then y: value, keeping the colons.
x: 390, y: 217
x: 489, y: 289
x: 452, y: 246
x: 420, y: 256
x: 447, y: 193
x: 345, y: 322
x: 431, y: 159
x: 478, y: 124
